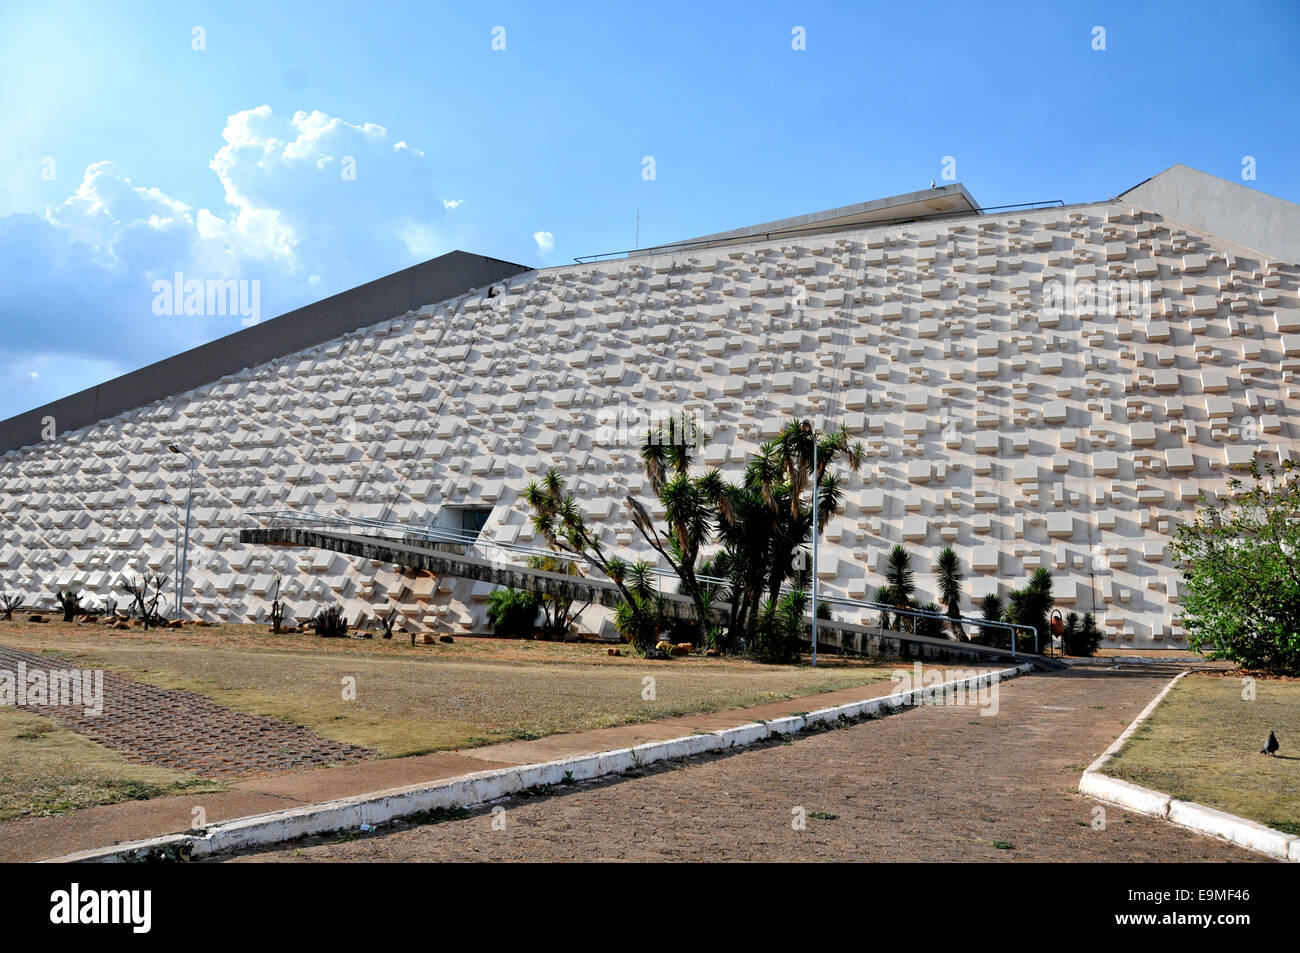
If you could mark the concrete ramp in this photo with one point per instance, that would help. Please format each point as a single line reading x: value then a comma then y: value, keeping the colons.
x: 845, y: 636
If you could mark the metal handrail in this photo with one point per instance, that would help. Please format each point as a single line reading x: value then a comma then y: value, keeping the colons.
x: 472, y: 540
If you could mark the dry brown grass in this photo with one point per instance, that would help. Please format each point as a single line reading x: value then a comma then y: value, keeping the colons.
x: 412, y: 699
x: 1202, y: 744
x: 47, y: 769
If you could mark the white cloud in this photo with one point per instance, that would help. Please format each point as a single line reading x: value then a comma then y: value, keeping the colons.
x: 306, y: 196
x: 545, y: 242
x: 423, y: 241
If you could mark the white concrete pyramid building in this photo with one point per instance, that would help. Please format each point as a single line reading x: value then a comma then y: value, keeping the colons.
x: 1023, y: 427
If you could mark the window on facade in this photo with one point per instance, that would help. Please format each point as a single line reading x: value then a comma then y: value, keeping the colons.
x: 473, y: 519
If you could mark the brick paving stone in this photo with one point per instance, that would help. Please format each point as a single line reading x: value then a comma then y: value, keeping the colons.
x: 183, y: 730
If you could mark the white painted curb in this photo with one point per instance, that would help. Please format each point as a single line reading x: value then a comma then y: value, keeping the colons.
x: 473, y: 789
x: 1189, y: 814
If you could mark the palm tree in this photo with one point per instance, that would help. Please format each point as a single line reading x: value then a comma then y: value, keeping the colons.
x: 689, y: 505
x: 884, y: 597
x: 900, y: 580
x: 782, y: 473
x: 991, y: 609
x: 950, y: 578
x: 1033, y: 604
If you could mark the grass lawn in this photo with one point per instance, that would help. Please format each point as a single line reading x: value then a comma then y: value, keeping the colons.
x: 46, y: 769
x: 1202, y: 744
x: 413, y: 699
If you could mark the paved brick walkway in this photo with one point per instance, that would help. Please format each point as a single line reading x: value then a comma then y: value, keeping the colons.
x: 179, y: 729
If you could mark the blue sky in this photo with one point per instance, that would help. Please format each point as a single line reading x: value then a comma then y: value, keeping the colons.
x: 126, y: 154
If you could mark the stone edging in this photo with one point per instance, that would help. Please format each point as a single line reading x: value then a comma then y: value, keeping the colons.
x: 1189, y: 814
x: 482, y: 786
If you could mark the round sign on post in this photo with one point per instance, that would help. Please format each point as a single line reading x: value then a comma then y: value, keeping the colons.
x: 1058, y: 629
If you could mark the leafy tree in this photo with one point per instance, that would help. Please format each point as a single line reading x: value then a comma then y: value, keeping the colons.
x: 783, y: 471
x: 643, y: 617
x: 1089, y: 636
x: 1241, y: 585
x: 950, y: 579
x: 763, y: 525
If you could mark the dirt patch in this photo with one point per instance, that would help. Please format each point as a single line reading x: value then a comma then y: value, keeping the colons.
x: 932, y: 783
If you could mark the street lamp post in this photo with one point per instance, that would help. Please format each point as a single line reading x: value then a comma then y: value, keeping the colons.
x: 176, y: 555
x: 808, y: 429
x: 189, y: 496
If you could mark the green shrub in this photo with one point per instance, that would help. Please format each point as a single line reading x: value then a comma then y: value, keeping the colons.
x: 777, y: 638
x: 1081, y: 636
x: 641, y: 624
x: 329, y: 623
x: 991, y: 609
x: 513, y: 612
x: 928, y: 625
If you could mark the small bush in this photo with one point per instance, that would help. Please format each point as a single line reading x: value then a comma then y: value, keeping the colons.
x: 329, y: 623
x: 1081, y: 637
x: 70, y: 600
x: 928, y: 625
x: 640, y: 628
x: 777, y: 637
x: 512, y: 613
x: 145, y: 596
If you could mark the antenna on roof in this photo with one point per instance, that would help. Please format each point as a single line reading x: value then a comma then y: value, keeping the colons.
x: 932, y: 183
x: 636, y: 240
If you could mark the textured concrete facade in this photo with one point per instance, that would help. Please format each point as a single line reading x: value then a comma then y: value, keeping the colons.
x: 1036, y: 388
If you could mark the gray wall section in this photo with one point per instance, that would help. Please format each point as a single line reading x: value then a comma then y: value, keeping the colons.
x: 380, y: 300
x: 1225, y: 209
